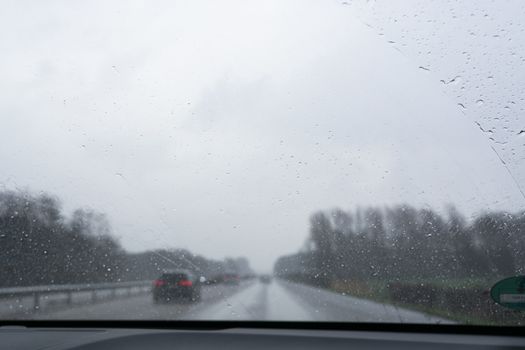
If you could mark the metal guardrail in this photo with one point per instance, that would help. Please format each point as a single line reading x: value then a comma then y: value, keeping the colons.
x: 68, y: 289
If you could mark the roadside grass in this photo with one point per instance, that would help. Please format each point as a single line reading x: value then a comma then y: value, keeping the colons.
x: 378, y: 290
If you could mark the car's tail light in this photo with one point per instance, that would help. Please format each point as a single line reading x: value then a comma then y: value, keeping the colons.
x: 159, y: 283
x: 185, y: 283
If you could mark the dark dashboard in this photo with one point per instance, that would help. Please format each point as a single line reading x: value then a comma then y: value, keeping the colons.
x: 19, y: 337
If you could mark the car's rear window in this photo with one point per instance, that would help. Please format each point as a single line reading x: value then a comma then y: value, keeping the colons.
x: 176, y: 277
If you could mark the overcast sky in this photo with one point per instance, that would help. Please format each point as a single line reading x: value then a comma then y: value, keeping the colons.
x: 220, y: 126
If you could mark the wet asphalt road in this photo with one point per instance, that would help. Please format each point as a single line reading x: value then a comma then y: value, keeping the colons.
x: 251, y: 300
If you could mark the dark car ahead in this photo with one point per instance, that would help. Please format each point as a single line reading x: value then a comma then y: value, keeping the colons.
x: 266, y: 279
x: 231, y: 278
x: 176, y: 285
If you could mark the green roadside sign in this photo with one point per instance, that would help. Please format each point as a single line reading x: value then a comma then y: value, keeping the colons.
x: 510, y: 292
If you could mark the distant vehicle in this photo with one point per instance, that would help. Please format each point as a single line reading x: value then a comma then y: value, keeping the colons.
x: 177, y: 285
x: 231, y: 278
x: 265, y: 279
x: 215, y: 279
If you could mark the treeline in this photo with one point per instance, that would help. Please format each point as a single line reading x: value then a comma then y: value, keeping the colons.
x: 148, y: 265
x: 39, y: 245
x: 404, y: 243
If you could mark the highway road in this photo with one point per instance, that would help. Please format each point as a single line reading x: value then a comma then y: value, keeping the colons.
x: 253, y: 300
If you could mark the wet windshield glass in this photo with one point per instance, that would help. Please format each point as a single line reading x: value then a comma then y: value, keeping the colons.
x: 355, y: 161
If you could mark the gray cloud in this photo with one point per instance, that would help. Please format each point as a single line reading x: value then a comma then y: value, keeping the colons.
x: 221, y: 127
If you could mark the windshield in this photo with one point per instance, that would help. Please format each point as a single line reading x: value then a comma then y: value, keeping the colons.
x: 319, y: 160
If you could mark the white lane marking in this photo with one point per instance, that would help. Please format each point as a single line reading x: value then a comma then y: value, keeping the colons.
x: 235, y: 307
x: 282, y: 306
